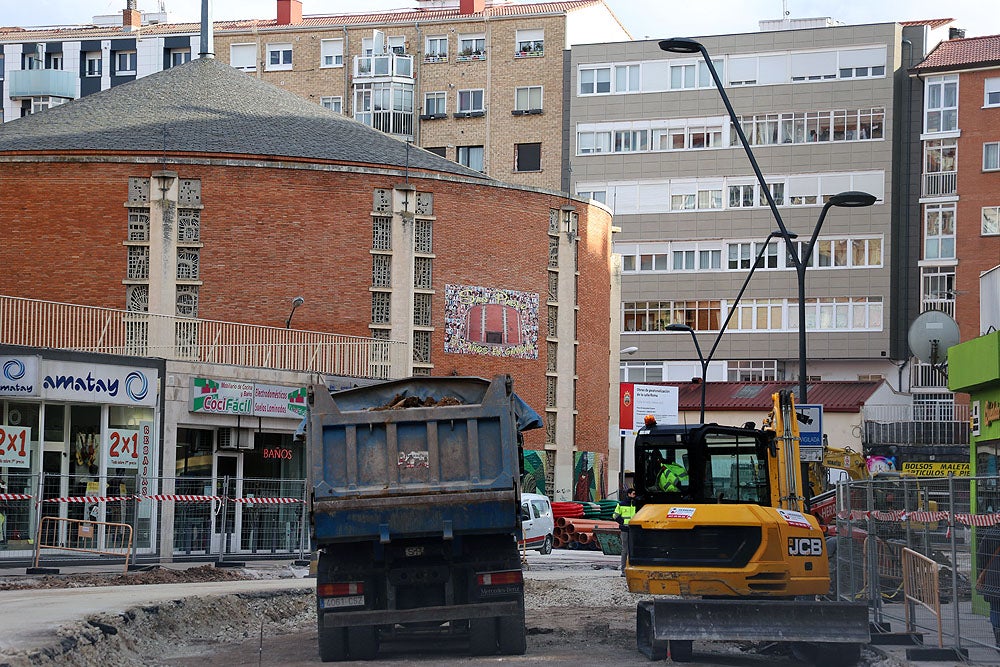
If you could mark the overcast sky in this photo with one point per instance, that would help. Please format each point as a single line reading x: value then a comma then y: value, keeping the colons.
x: 643, y: 18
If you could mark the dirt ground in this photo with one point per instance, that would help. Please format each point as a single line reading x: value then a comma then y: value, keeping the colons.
x: 578, y: 612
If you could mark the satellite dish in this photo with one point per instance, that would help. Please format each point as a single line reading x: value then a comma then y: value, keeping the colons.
x: 930, y: 336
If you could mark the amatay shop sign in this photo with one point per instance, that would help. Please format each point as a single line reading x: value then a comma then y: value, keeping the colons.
x: 227, y: 397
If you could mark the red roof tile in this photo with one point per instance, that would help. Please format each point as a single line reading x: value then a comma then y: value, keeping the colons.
x: 931, y: 23
x: 957, y: 53
x: 835, y: 396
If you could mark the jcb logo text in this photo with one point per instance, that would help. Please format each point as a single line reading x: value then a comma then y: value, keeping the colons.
x: 805, y: 546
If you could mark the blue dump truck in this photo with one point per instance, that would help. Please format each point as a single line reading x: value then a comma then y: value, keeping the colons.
x: 416, y: 513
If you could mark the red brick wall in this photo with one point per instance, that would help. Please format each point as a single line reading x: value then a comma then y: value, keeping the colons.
x: 272, y: 234
x: 976, y: 188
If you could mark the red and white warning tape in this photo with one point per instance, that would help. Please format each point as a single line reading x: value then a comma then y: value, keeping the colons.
x: 180, y: 497
x: 15, y: 496
x: 267, y: 501
x: 88, y: 499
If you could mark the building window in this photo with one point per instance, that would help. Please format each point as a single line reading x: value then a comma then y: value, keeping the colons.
x: 528, y: 98
x: 472, y: 47
x: 243, y: 57
x: 627, y: 79
x: 470, y: 101
x: 125, y: 62
x: 279, y: 57
x: 436, y: 104
x: 179, y: 56
x: 332, y: 103
x: 593, y: 142
x: 529, y: 43
x: 52, y: 61
x: 991, y: 156
x: 187, y: 264
x: 656, y: 315
x: 436, y: 49
x: 331, y: 53
x: 471, y: 157
x: 93, y: 62
x: 991, y: 92
x: 595, y: 80
x: 438, y: 150
x: 684, y: 260
x: 380, y: 307
x: 528, y: 157
x: 941, y: 106
x: 991, y: 220
x: 938, y: 285
x: 939, y: 231
x: 747, y: 370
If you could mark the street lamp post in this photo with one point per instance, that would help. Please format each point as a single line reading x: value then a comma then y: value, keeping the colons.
x: 686, y: 45
x: 296, y: 302
x: 704, y: 364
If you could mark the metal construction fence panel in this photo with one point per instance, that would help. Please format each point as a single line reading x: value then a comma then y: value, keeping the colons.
x: 179, y: 517
x: 954, y: 524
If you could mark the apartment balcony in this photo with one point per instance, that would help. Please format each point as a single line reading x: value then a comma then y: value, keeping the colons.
x: 925, y: 376
x: 940, y: 184
x: 924, y: 424
x: 388, y: 66
x: 47, y: 324
x: 41, y: 83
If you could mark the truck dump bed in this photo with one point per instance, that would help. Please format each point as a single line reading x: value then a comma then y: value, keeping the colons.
x: 384, y: 473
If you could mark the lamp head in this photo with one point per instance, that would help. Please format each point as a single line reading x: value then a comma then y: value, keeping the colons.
x: 852, y: 199
x: 681, y: 45
x: 297, y: 301
x: 676, y: 326
x: 629, y: 350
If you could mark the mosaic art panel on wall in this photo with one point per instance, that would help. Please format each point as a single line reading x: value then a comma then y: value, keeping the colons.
x: 491, y: 321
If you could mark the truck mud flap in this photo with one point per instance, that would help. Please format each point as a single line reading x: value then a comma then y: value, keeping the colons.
x: 343, y: 619
x: 659, y: 621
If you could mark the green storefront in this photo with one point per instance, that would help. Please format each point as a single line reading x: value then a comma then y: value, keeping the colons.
x: 974, y: 369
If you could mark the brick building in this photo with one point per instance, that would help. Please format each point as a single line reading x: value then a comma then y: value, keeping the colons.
x: 960, y: 193
x: 204, y: 193
x: 479, y: 82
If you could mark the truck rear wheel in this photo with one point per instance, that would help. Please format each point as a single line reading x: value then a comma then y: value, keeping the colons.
x: 362, y: 642
x: 482, y: 636
x: 332, y: 643
x: 512, y: 635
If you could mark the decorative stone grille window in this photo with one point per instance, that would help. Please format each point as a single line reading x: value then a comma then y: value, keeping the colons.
x: 422, y: 347
x: 381, y: 271
x: 382, y: 202
x: 380, y: 308
x: 422, y: 309
x: 187, y: 301
x: 553, y: 252
x: 553, y: 286
x: 187, y: 264
x: 550, y: 356
x: 380, y: 334
x: 138, y: 224
x: 553, y: 323
x: 381, y: 233
x: 550, y: 430
x: 425, y: 204
x: 421, y: 370
x: 422, y: 272
x: 138, y: 263
x: 554, y: 222
x: 138, y: 190
x: 550, y: 392
x: 422, y: 236
x: 188, y: 225
x: 137, y: 298
x: 189, y: 192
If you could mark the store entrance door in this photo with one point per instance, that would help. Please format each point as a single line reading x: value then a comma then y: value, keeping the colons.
x: 225, y: 535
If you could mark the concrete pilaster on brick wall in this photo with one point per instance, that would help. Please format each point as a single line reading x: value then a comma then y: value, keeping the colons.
x: 566, y: 347
x: 163, y: 191
x: 404, y: 201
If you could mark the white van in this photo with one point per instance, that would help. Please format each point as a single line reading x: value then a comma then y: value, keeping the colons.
x: 537, y: 523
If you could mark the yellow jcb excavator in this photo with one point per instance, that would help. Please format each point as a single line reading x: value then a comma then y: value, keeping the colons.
x: 729, y: 534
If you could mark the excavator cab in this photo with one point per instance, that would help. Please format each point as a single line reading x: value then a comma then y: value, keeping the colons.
x: 721, y: 464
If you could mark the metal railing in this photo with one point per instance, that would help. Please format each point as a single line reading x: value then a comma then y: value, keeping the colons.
x: 953, y: 523
x: 34, y: 323
x: 940, y: 184
x: 927, y: 423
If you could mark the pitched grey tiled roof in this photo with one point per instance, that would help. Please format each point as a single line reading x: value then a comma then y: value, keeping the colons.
x: 206, y: 106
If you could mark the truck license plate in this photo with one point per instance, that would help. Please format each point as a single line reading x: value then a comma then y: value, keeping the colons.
x: 346, y: 601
